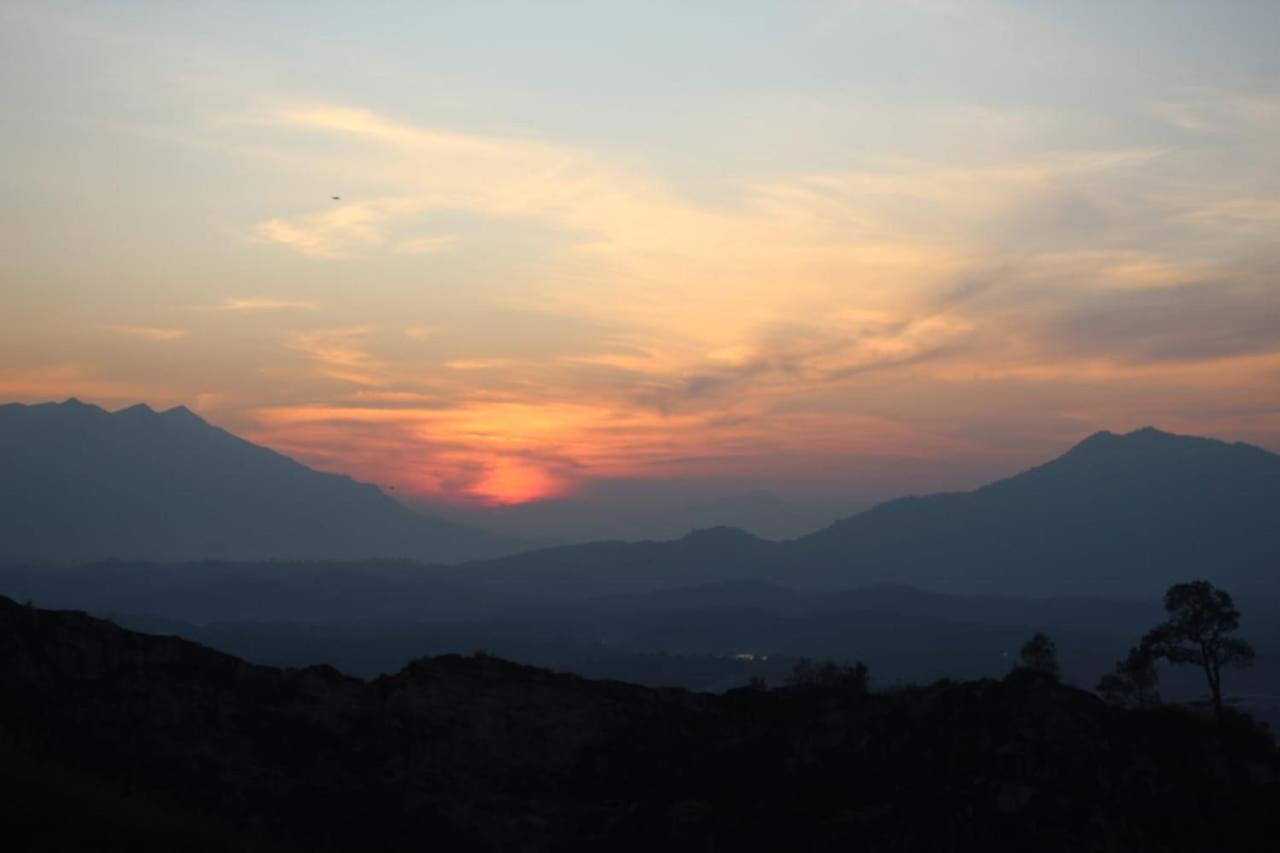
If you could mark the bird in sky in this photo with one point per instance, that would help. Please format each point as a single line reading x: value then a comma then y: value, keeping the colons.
x: 336, y: 198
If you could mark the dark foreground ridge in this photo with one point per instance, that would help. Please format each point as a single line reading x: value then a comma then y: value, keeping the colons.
x: 476, y: 753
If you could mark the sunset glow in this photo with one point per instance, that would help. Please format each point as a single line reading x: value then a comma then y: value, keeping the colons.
x: 748, y: 237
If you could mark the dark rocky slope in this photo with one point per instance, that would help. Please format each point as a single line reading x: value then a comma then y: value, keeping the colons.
x: 476, y: 753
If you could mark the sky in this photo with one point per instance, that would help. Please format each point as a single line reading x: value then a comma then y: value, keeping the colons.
x: 831, y: 249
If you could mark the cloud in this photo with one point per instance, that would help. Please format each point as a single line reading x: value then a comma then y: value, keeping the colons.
x: 514, y: 451
x: 307, y: 240
x: 796, y: 360
x: 344, y: 230
x: 400, y: 398
x: 150, y: 333
x: 478, y: 363
x: 1201, y: 322
x: 1255, y: 216
x: 340, y: 354
x: 867, y: 308
x: 43, y: 383
x: 433, y: 171
x: 257, y: 303
x: 879, y: 238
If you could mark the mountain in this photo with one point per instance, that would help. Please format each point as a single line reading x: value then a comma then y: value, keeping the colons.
x: 1117, y: 514
x: 602, y: 568
x: 616, y: 513
x: 157, y: 740
x: 80, y: 483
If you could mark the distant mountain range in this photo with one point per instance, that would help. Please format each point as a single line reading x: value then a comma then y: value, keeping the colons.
x: 1082, y: 546
x: 1120, y: 515
x: 1117, y: 515
x: 79, y: 483
x: 606, y: 514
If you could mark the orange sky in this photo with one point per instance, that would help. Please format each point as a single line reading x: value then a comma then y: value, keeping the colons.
x: 659, y: 243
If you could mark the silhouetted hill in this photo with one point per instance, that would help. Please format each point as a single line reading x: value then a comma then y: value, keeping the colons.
x: 602, y: 568
x: 80, y: 483
x: 1117, y: 514
x: 463, y: 754
x: 618, y: 514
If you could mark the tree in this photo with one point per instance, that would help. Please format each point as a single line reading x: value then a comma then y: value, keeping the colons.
x: 1134, y: 680
x: 1200, y: 619
x: 1040, y: 654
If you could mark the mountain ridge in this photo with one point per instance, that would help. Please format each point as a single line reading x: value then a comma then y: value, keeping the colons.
x: 87, y: 484
x: 1122, y: 514
x: 1119, y: 514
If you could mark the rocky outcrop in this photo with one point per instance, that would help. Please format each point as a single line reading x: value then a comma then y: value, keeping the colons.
x: 476, y: 753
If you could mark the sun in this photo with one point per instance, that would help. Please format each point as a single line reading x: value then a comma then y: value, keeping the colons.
x: 510, y: 480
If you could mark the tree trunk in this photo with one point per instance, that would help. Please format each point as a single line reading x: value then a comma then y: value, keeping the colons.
x: 1213, y: 676
x: 1215, y: 685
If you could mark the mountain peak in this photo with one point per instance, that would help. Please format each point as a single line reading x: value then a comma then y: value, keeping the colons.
x: 71, y: 404
x: 1108, y: 435
x: 1143, y: 437
x: 718, y: 535
x: 1102, y: 436
x: 138, y: 410
x: 1149, y: 434
x: 1117, y: 514
x: 182, y: 413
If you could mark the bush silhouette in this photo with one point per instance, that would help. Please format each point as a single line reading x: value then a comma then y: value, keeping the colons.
x: 1134, y: 680
x: 1040, y: 654
x: 829, y: 674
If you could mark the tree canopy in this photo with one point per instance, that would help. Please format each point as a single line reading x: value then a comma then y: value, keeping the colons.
x: 1201, y: 620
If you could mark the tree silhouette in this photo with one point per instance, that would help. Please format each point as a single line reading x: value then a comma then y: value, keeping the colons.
x: 1134, y: 679
x: 1200, y: 619
x: 1041, y: 655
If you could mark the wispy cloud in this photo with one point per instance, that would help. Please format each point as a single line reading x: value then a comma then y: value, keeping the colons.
x: 1244, y: 215
x: 830, y: 311
x: 42, y: 383
x: 478, y: 363
x: 257, y: 303
x: 341, y: 355
x: 342, y: 231
x: 151, y: 333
